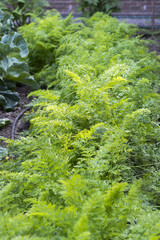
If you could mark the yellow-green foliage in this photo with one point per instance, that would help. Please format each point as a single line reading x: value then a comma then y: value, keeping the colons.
x: 89, y: 168
x: 43, y: 36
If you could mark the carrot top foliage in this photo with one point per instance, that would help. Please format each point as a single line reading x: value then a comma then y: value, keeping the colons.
x: 89, y: 167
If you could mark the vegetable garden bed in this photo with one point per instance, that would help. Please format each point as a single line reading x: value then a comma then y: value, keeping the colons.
x: 89, y: 167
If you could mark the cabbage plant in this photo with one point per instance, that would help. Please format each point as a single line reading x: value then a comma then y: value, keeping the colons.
x: 12, y: 69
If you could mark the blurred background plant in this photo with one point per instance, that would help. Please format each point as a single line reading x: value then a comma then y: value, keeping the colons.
x: 22, y: 10
x: 89, y: 7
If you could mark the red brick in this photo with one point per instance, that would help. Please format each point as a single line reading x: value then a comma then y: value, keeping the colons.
x: 135, y: 6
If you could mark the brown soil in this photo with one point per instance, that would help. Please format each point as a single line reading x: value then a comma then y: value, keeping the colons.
x: 153, y: 38
x: 154, y: 47
x: 23, y: 91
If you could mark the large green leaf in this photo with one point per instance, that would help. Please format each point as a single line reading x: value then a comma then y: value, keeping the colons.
x: 27, y: 79
x: 18, y: 72
x: 4, y: 64
x: 4, y: 50
x: 9, y: 99
x: 11, y: 85
x: 15, y: 40
x: 3, y: 6
x: 3, y: 85
x: 14, y: 70
x: 3, y: 101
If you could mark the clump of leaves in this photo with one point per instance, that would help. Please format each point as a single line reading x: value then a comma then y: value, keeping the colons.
x: 43, y: 37
x: 6, y: 23
x: 90, y: 7
x: 22, y: 10
x: 12, y: 69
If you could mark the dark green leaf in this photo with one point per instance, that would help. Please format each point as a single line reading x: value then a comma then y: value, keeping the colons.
x: 3, y: 85
x: 11, y: 85
x: 4, y: 50
x: 18, y: 11
x: 3, y: 6
x: 4, y: 65
x: 9, y: 99
x: 18, y: 72
x: 15, y: 70
x: 3, y: 101
x: 16, y: 40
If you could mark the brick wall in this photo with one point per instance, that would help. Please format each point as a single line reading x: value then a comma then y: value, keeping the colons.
x: 138, y: 7
x: 63, y: 6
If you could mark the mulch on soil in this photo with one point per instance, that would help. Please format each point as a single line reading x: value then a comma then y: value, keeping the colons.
x: 23, y: 92
x: 154, y: 46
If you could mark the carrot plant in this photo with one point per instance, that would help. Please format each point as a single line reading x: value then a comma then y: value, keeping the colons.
x: 89, y: 168
x: 43, y: 36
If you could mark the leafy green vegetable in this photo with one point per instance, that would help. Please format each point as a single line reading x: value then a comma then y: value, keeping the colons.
x: 15, y: 42
x: 9, y: 99
x: 6, y: 23
x: 12, y: 69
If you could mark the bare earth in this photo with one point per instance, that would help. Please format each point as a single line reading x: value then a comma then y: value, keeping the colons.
x: 23, y: 91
